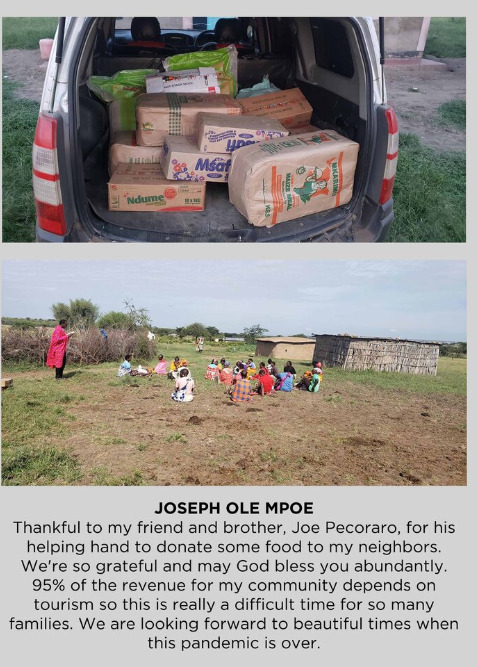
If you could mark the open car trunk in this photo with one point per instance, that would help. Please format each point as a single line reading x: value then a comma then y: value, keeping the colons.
x: 325, y: 58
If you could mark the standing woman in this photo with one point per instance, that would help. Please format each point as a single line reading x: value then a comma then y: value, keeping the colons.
x: 57, y: 351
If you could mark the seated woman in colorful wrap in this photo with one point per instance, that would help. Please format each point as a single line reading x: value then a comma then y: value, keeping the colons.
x: 242, y: 389
x: 184, y: 392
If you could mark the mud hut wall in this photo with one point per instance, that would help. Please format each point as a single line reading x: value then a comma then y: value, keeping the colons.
x: 264, y: 349
x: 292, y: 351
x: 379, y: 355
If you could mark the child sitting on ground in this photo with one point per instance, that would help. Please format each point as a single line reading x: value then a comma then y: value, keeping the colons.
x: 174, y: 368
x: 184, y: 387
x: 125, y: 368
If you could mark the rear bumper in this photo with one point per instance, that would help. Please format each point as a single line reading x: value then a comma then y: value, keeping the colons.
x: 370, y: 226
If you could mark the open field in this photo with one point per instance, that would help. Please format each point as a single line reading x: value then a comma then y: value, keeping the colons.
x: 362, y: 428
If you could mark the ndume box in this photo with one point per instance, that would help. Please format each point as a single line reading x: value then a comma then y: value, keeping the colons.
x: 144, y: 187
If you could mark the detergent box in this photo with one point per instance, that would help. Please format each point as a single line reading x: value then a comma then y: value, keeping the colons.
x: 200, y: 80
x: 220, y: 133
x: 182, y: 161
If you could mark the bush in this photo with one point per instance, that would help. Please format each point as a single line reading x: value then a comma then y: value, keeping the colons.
x: 85, y: 347
x: 25, y: 345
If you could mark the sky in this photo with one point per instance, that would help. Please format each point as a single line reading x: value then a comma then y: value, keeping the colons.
x: 423, y: 300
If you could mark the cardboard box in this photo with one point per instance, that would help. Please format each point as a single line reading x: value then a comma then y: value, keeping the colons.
x: 284, y: 179
x: 144, y: 187
x: 160, y: 114
x: 200, y: 80
x: 221, y: 133
x: 125, y: 149
x: 182, y: 161
x: 303, y: 129
x: 289, y: 107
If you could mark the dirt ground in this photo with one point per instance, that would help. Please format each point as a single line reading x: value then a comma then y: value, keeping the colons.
x: 414, y: 93
x: 346, y: 434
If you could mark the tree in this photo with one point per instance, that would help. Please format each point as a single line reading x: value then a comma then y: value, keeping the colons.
x: 213, y: 332
x: 61, y: 311
x: 139, y: 317
x: 195, y: 329
x: 252, y: 333
x: 84, y: 313
x: 80, y: 312
x: 115, y: 320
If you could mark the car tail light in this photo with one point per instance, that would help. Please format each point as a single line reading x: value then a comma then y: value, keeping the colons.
x: 391, y: 157
x: 46, y: 183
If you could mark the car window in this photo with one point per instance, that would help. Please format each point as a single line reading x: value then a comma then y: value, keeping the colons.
x: 175, y: 23
x: 332, y: 48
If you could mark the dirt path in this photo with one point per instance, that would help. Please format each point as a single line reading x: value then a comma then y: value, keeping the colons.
x: 415, y: 109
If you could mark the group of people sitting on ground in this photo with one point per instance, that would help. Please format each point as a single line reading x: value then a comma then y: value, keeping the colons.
x: 269, y: 378
x: 178, y: 371
x: 127, y: 369
x: 238, y: 378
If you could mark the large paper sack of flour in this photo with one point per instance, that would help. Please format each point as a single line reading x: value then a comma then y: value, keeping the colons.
x: 160, y: 114
x: 284, y: 179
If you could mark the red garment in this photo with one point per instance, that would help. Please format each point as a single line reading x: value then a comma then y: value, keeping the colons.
x: 57, y: 349
x: 211, y: 372
x: 226, y: 376
x: 267, y: 383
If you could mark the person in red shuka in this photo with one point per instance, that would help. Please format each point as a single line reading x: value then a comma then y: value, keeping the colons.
x: 56, y: 357
x: 265, y: 383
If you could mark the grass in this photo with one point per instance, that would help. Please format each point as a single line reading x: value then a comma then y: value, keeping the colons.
x: 19, y: 122
x: 22, y: 466
x: 429, y: 194
x: 451, y: 378
x: 453, y: 114
x: 26, y: 31
x: 446, y: 38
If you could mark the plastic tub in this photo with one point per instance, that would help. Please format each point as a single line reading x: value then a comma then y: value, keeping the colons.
x: 45, y: 48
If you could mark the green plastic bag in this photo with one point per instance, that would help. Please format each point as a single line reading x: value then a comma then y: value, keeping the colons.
x: 265, y: 86
x: 120, y: 86
x: 224, y: 61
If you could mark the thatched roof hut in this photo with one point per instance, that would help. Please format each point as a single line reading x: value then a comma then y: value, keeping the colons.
x: 379, y: 354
